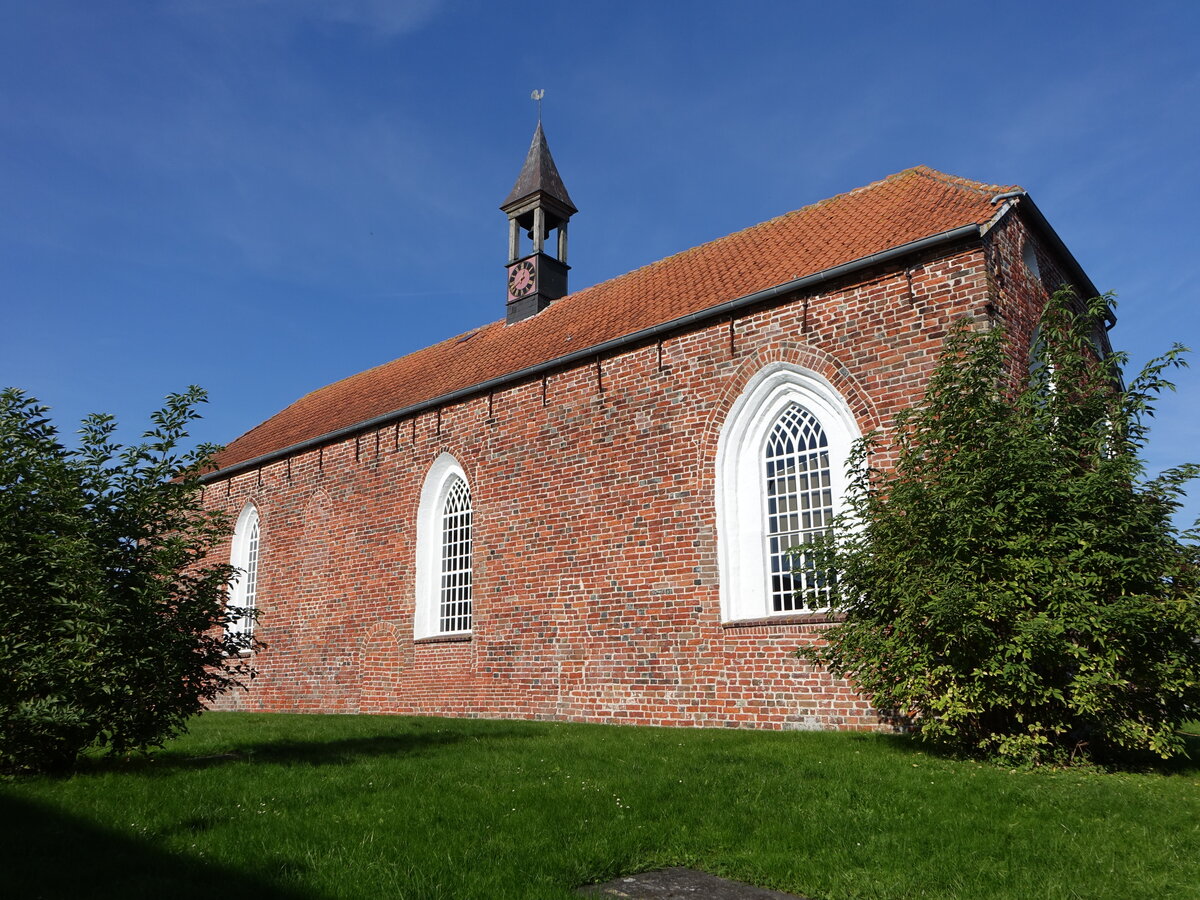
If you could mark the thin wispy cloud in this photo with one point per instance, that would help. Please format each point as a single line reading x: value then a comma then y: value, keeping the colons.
x: 386, y: 18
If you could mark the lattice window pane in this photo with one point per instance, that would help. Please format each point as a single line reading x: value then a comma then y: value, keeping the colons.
x: 799, y: 510
x: 455, y: 592
x: 248, y: 598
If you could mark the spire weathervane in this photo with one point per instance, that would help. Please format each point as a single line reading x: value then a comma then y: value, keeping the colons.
x: 538, y: 95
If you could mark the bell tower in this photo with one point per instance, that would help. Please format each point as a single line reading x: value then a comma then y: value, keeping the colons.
x: 537, y: 205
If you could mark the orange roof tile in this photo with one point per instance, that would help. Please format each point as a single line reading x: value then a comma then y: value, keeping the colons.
x: 913, y: 204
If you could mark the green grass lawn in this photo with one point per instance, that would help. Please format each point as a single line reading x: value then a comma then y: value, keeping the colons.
x: 277, y: 806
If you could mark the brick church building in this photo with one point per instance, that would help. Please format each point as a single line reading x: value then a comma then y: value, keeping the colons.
x: 583, y: 511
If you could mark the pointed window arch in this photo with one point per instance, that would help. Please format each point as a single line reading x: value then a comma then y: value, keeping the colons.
x: 444, y: 552
x: 781, y: 475
x: 244, y: 556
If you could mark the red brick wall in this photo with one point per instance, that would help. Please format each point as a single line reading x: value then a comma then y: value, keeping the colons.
x: 595, y: 575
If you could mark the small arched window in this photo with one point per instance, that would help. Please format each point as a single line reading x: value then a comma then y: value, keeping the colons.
x: 444, y: 549
x: 243, y: 594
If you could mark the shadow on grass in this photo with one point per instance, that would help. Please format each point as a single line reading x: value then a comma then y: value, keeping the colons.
x: 1186, y: 764
x: 290, y: 751
x: 45, y: 853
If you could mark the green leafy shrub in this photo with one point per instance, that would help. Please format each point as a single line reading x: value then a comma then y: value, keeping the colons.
x: 1012, y: 586
x: 111, y: 623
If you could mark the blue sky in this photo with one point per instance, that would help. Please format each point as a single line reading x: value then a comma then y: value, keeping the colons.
x: 263, y: 196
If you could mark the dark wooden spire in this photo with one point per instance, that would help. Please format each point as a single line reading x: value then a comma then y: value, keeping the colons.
x: 539, y: 175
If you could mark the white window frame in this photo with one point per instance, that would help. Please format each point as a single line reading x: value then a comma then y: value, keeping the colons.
x: 246, y: 556
x: 442, y: 476
x: 742, y: 555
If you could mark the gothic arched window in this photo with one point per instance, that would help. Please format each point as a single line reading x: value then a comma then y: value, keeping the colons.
x: 244, y: 556
x: 444, y: 570
x: 781, y: 474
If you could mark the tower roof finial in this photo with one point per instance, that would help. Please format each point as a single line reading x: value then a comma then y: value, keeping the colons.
x: 538, y: 95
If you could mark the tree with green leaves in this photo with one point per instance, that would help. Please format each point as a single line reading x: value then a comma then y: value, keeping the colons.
x: 112, y: 620
x: 1013, y: 585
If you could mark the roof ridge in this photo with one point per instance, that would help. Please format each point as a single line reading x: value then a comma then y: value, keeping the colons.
x: 925, y: 171
x: 982, y: 188
x: 929, y: 172
x: 905, y: 206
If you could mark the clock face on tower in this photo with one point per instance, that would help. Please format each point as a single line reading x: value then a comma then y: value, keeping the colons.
x: 521, y: 279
